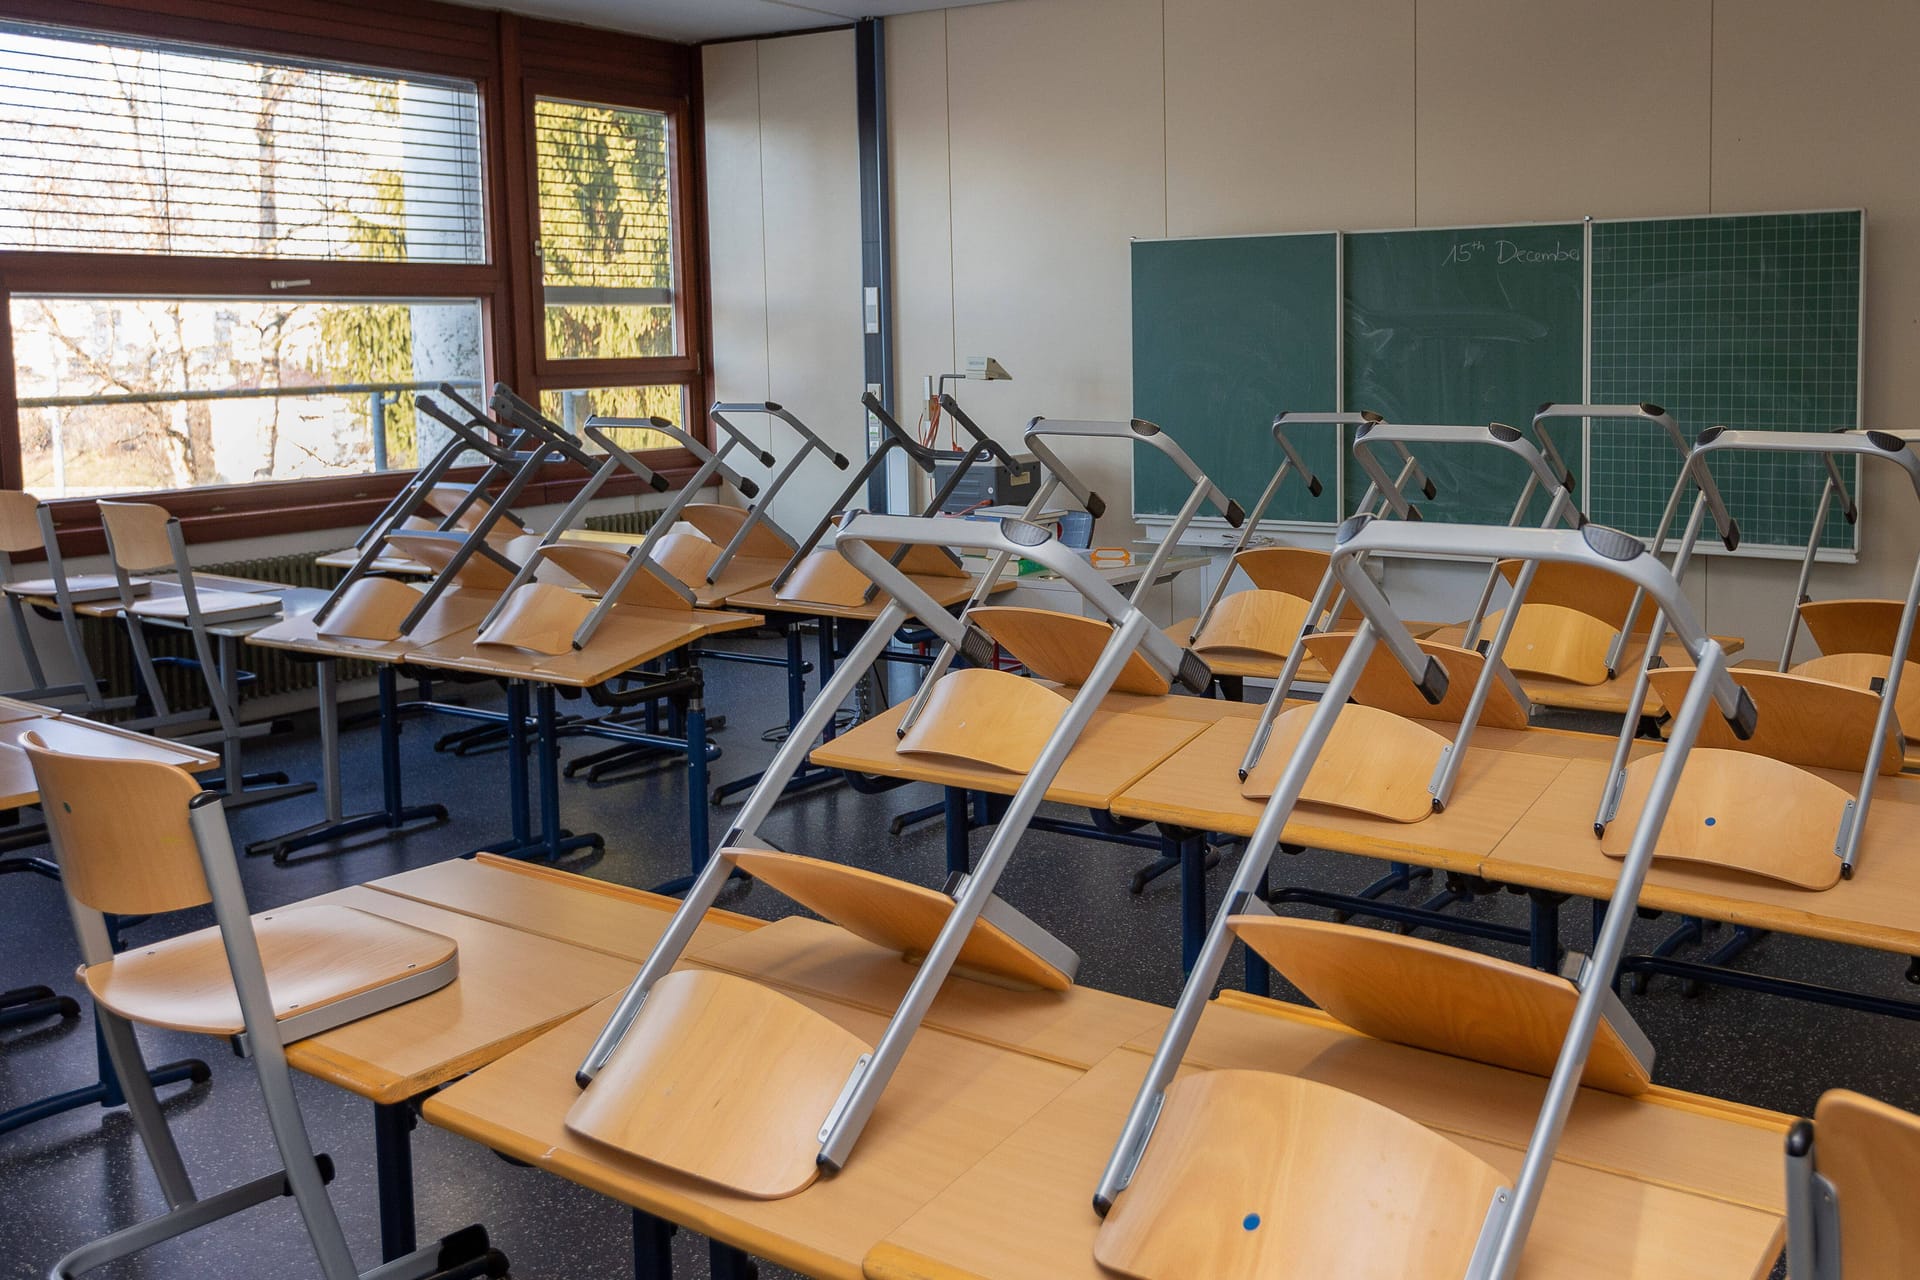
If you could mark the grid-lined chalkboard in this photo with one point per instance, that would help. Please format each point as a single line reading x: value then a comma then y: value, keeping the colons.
x: 1749, y: 322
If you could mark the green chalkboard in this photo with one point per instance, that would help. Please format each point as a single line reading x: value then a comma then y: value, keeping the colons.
x: 1751, y: 322
x: 1226, y: 334
x: 1465, y: 327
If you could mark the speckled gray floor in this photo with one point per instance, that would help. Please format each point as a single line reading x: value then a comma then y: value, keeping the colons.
x: 67, y: 1180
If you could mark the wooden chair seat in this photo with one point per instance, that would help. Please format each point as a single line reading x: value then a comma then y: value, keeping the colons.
x: 994, y: 718
x: 1253, y: 1175
x: 1384, y: 683
x: 314, y: 956
x: 1857, y: 626
x: 539, y: 618
x: 1374, y: 762
x: 1253, y: 624
x: 1440, y: 998
x: 1557, y: 642
x: 718, y: 523
x: 214, y: 606
x: 1870, y: 1152
x: 897, y: 916
x: 1741, y: 811
x: 687, y: 558
x: 1805, y: 721
x: 1062, y: 647
x: 1861, y: 670
x: 370, y: 609
x: 724, y: 1080
x: 598, y: 567
x: 436, y: 551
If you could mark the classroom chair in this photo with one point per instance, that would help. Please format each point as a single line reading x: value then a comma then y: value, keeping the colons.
x: 1850, y: 1174
x: 682, y: 1073
x: 137, y: 837
x: 1184, y: 1150
x: 26, y: 527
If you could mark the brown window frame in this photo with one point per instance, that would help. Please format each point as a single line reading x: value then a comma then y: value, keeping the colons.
x: 512, y: 61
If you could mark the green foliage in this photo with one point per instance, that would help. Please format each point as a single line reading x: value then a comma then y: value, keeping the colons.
x: 374, y: 342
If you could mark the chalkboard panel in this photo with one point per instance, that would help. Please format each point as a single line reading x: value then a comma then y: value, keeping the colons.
x: 1750, y: 321
x: 1467, y: 327
x: 1226, y: 334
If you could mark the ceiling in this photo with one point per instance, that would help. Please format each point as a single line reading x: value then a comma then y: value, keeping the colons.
x: 691, y: 21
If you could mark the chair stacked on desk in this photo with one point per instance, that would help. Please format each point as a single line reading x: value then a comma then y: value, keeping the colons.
x: 1229, y: 1173
x: 682, y: 1074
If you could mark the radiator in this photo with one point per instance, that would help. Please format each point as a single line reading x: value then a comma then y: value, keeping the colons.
x: 273, y: 671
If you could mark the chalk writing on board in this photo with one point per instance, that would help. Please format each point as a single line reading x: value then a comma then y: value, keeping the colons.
x: 1503, y: 252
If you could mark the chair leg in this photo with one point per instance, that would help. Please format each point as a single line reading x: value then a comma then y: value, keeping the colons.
x: 303, y: 1173
x: 143, y: 1106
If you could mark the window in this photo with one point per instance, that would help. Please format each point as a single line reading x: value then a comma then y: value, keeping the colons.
x: 606, y: 231
x: 233, y: 258
x: 129, y: 147
x: 127, y: 394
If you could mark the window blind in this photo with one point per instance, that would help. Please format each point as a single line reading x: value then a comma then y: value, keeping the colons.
x: 112, y: 144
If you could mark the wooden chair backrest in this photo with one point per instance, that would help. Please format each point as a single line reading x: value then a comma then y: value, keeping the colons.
x: 1297, y: 571
x: 1446, y: 999
x: 137, y: 535
x: 1857, y: 626
x: 1745, y: 812
x: 896, y: 916
x: 724, y: 1080
x: 1062, y: 647
x: 1600, y: 595
x: 1556, y: 642
x: 1257, y: 623
x: 1871, y: 1153
x: 120, y: 830
x: 599, y: 566
x: 993, y: 718
x: 1803, y: 721
x: 1255, y: 1175
x: 1374, y: 762
x: 19, y: 522
x: 826, y: 577
x: 436, y: 550
x: 720, y: 523
x: 446, y: 499
x: 1860, y: 670
x: 1384, y: 683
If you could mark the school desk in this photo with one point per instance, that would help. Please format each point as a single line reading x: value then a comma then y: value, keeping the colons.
x: 743, y: 573
x: 1664, y: 1185
x: 996, y: 1072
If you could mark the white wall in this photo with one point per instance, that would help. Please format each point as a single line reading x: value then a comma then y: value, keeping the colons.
x: 783, y: 202
x: 1031, y: 139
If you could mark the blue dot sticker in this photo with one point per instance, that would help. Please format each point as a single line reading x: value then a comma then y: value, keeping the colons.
x: 1251, y: 1222
x: 1710, y: 821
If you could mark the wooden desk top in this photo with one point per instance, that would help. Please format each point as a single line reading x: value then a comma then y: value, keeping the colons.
x: 948, y: 592
x: 743, y: 573
x: 1117, y: 748
x: 952, y: 1101
x: 72, y: 733
x: 1553, y: 847
x: 1660, y: 1187
x: 628, y: 637
x: 1198, y: 787
x: 399, y: 566
x: 160, y: 589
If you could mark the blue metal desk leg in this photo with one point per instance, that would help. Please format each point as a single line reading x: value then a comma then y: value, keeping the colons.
x: 555, y: 841
x: 393, y: 1160
x: 517, y: 764
x: 1193, y: 897
x: 959, y: 853
x: 104, y: 1092
x: 1259, y: 974
x: 698, y: 834
x: 34, y: 1004
x: 1543, y: 949
x: 652, y: 1247
x: 728, y: 1263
